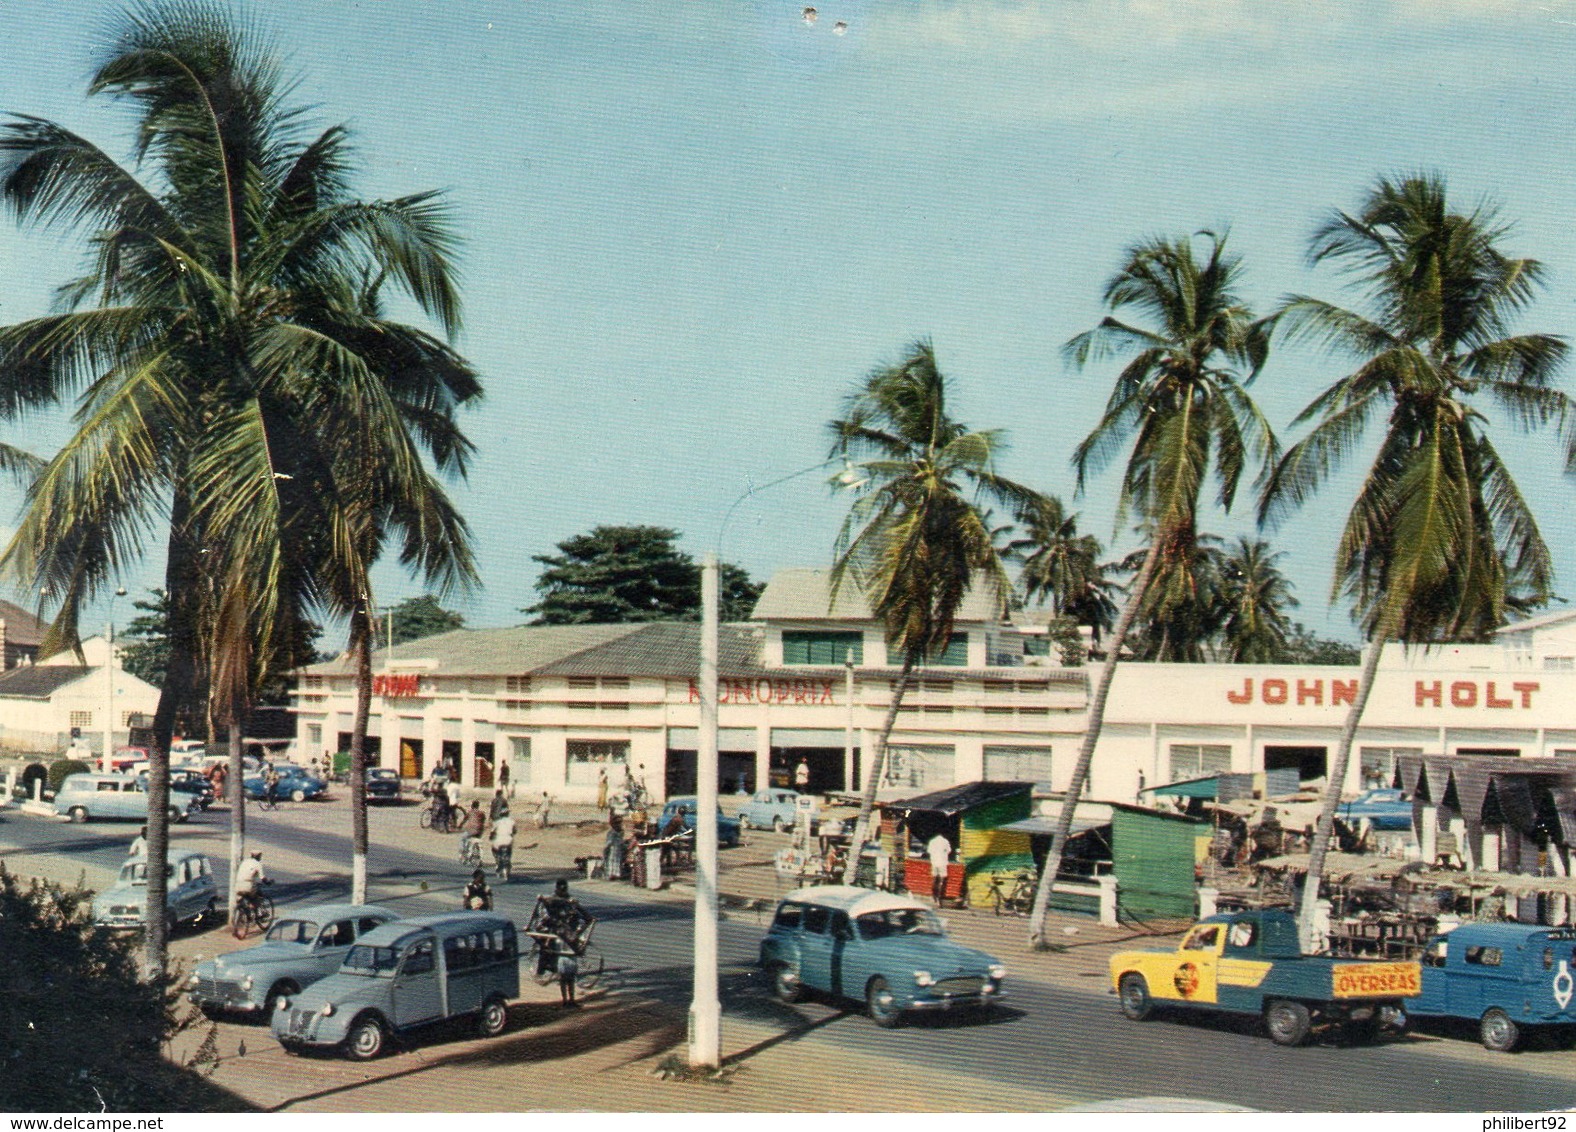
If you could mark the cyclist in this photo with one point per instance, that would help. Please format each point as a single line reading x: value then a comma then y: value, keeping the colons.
x: 478, y: 897
x: 250, y: 879
x: 562, y: 916
x: 471, y: 830
x: 503, y: 843
x: 271, y: 787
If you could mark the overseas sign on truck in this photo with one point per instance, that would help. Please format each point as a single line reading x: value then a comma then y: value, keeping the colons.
x: 1363, y: 980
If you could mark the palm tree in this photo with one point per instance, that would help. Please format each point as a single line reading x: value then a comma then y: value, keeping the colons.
x: 917, y: 537
x: 1181, y: 613
x: 1060, y: 564
x: 1439, y: 540
x: 1255, y: 596
x: 1181, y: 402
x: 209, y: 344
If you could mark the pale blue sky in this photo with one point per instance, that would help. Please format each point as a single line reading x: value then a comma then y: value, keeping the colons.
x: 691, y: 227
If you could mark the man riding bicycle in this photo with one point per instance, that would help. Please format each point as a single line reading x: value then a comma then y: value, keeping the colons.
x: 503, y: 843
x: 478, y: 897
x: 249, y: 879
x: 471, y: 830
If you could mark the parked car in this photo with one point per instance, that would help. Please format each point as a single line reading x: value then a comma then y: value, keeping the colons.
x: 125, y: 758
x: 300, y: 948
x: 404, y: 976
x: 767, y: 809
x: 727, y: 828
x: 1385, y: 809
x: 191, y: 894
x: 189, y: 784
x: 889, y: 951
x: 383, y: 784
x: 1508, y: 978
x: 185, y: 750
x: 93, y: 797
x: 294, y: 783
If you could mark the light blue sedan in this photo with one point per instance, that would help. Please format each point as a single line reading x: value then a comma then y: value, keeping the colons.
x: 294, y: 783
x: 1385, y: 809
x: 766, y: 809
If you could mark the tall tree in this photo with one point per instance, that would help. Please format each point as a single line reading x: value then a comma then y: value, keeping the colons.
x: 631, y: 573
x: 418, y: 617
x: 214, y: 347
x: 1181, y: 402
x: 1254, y: 597
x: 917, y: 537
x: 1062, y: 565
x: 1182, y: 612
x: 1439, y: 538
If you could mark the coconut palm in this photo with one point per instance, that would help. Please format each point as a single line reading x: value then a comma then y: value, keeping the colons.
x: 1062, y: 565
x: 1439, y: 541
x: 917, y: 537
x: 1254, y: 598
x: 210, y: 344
x: 1181, y: 614
x: 1181, y: 404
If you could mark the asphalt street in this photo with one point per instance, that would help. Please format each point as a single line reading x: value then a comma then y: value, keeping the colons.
x: 1048, y: 1036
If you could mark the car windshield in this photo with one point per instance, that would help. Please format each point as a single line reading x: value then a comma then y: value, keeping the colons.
x: 377, y: 961
x: 899, y: 921
x: 137, y: 872
x: 381, y: 772
x: 292, y: 931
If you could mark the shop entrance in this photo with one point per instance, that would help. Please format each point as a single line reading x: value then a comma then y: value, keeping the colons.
x: 410, y: 758
x: 451, y: 759
x: 735, y: 772
x: 824, y: 764
x: 1310, y: 762
x: 482, y: 766
x: 374, y: 748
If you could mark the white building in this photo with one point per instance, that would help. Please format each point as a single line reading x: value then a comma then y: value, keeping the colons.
x: 559, y: 704
x: 41, y: 704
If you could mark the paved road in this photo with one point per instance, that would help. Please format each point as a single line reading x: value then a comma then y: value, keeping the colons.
x: 1052, y: 1037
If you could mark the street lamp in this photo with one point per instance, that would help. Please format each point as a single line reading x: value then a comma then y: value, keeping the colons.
x: 109, y: 685
x: 705, y: 1014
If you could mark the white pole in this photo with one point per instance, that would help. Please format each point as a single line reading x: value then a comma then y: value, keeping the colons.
x: 705, y: 1016
x: 109, y: 696
x: 848, y: 724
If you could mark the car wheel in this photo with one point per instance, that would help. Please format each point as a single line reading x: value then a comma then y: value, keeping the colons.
x: 78, y: 814
x: 1132, y: 995
x: 298, y: 795
x: 786, y: 985
x: 777, y: 824
x: 884, y: 1011
x: 366, y: 1039
x: 1288, y: 1022
x: 493, y: 1018
x: 281, y: 992
x: 1497, y: 1032
x: 177, y: 815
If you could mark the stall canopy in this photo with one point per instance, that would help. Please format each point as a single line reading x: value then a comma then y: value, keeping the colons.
x: 973, y: 816
x: 962, y: 799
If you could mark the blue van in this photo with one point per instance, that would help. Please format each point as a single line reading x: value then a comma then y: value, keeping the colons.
x: 1506, y: 977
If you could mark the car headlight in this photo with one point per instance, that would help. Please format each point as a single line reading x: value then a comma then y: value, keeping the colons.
x: 924, y: 979
x: 328, y: 1009
x: 997, y: 971
x: 246, y: 983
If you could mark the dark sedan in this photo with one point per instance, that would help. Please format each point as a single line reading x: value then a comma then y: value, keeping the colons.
x: 383, y: 784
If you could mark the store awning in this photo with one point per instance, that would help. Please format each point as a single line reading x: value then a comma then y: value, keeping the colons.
x: 960, y: 799
x: 1046, y: 826
x: 1192, y: 788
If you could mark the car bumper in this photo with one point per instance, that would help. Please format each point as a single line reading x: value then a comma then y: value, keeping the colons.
x: 301, y: 1029
x: 220, y: 994
x: 985, y: 996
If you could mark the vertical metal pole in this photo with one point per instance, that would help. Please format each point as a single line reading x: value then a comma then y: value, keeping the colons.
x: 705, y: 1017
x: 848, y: 725
x: 109, y: 696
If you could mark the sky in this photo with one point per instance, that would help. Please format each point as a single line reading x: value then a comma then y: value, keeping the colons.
x: 690, y: 229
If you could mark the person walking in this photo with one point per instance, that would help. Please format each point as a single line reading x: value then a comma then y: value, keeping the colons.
x: 451, y: 791
x: 542, y: 810
x: 471, y: 829
x: 613, y: 850
x: 271, y: 787
x: 504, y: 781
x: 503, y: 844
x: 601, y: 789
x: 139, y: 844
x: 939, y: 850
x: 499, y: 805
x: 568, y: 967
x: 801, y: 777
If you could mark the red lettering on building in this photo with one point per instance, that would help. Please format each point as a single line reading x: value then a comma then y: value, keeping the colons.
x: 1343, y: 692
x: 393, y: 687
x: 1273, y: 691
x: 1494, y: 701
x: 766, y: 691
x: 1429, y: 692
x: 1463, y: 693
x: 1245, y: 696
x: 1526, y: 690
x: 1310, y: 691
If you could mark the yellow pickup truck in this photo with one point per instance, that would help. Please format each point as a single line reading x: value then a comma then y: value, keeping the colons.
x: 1251, y: 963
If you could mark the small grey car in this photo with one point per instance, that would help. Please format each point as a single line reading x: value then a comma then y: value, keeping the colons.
x: 301, y: 947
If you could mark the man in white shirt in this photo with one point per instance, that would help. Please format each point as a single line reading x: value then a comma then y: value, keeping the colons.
x: 503, y: 843
x: 451, y: 791
x: 939, y: 850
x: 139, y: 845
x: 249, y: 878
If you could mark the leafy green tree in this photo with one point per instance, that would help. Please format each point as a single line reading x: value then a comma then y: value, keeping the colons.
x: 917, y: 538
x: 224, y: 358
x: 418, y: 617
x: 1182, y: 613
x: 1254, y: 597
x: 617, y: 574
x: 1304, y: 646
x: 1181, y: 402
x: 1439, y: 537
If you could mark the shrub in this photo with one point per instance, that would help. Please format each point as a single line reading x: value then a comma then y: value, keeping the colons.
x: 61, y: 768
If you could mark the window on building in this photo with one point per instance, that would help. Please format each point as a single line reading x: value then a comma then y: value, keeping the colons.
x: 1560, y: 663
x: 582, y: 683
x: 520, y: 759
x: 955, y: 655
x: 812, y: 646
x: 920, y: 768
x: 586, y: 758
x: 1036, y: 646
x: 1018, y: 764
x: 517, y: 684
x: 1198, y: 760
x: 81, y: 719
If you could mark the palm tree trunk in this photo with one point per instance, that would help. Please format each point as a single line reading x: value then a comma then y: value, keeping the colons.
x: 361, y: 651
x: 877, y: 766
x: 1064, y: 822
x: 237, y: 772
x: 1336, y: 778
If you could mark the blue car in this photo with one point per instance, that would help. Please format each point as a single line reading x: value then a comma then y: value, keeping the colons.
x: 294, y: 783
x: 766, y: 809
x: 1385, y: 809
x: 727, y: 828
x: 1510, y: 979
x: 889, y: 952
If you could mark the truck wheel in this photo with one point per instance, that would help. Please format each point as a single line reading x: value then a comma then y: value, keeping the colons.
x: 786, y: 985
x: 884, y: 1011
x: 493, y: 1018
x: 1288, y: 1022
x: 366, y: 1039
x: 1133, y: 995
x: 1497, y: 1032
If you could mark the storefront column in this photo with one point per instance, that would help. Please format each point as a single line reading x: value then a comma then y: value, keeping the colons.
x: 763, y: 756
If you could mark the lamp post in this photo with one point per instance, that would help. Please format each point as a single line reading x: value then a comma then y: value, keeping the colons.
x: 705, y: 1015
x: 109, y: 686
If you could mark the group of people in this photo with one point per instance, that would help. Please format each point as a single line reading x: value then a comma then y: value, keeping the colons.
x: 498, y: 826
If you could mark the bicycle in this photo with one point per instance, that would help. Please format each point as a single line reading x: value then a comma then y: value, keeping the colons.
x: 252, y: 910
x: 503, y: 862
x: 1017, y: 900
x: 471, y: 852
x: 544, y: 959
x: 436, y: 817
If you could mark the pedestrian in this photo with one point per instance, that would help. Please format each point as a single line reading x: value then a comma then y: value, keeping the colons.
x: 271, y: 785
x: 613, y: 850
x: 504, y: 782
x: 451, y: 792
x: 801, y: 777
x: 939, y: 849
x: 503, y: 844
x: 542, y: 810
x: 499, y: 805
x: 139, y: 844
x: 472, y: 828
x: 601, y: 789
x: 478, y: 896
x: 634, y: 857
x: 568, y: 967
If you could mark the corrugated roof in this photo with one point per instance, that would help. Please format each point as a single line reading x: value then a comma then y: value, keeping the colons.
x: 805, y: 594
x: 21, y: 627
x: 39, y: 681
x: 663, y: 648
x: 960, y: 799
x: 491, y: 652
x: 1542, y: 621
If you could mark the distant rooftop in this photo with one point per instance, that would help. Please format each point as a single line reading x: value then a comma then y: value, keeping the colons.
x: 805, y: 594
